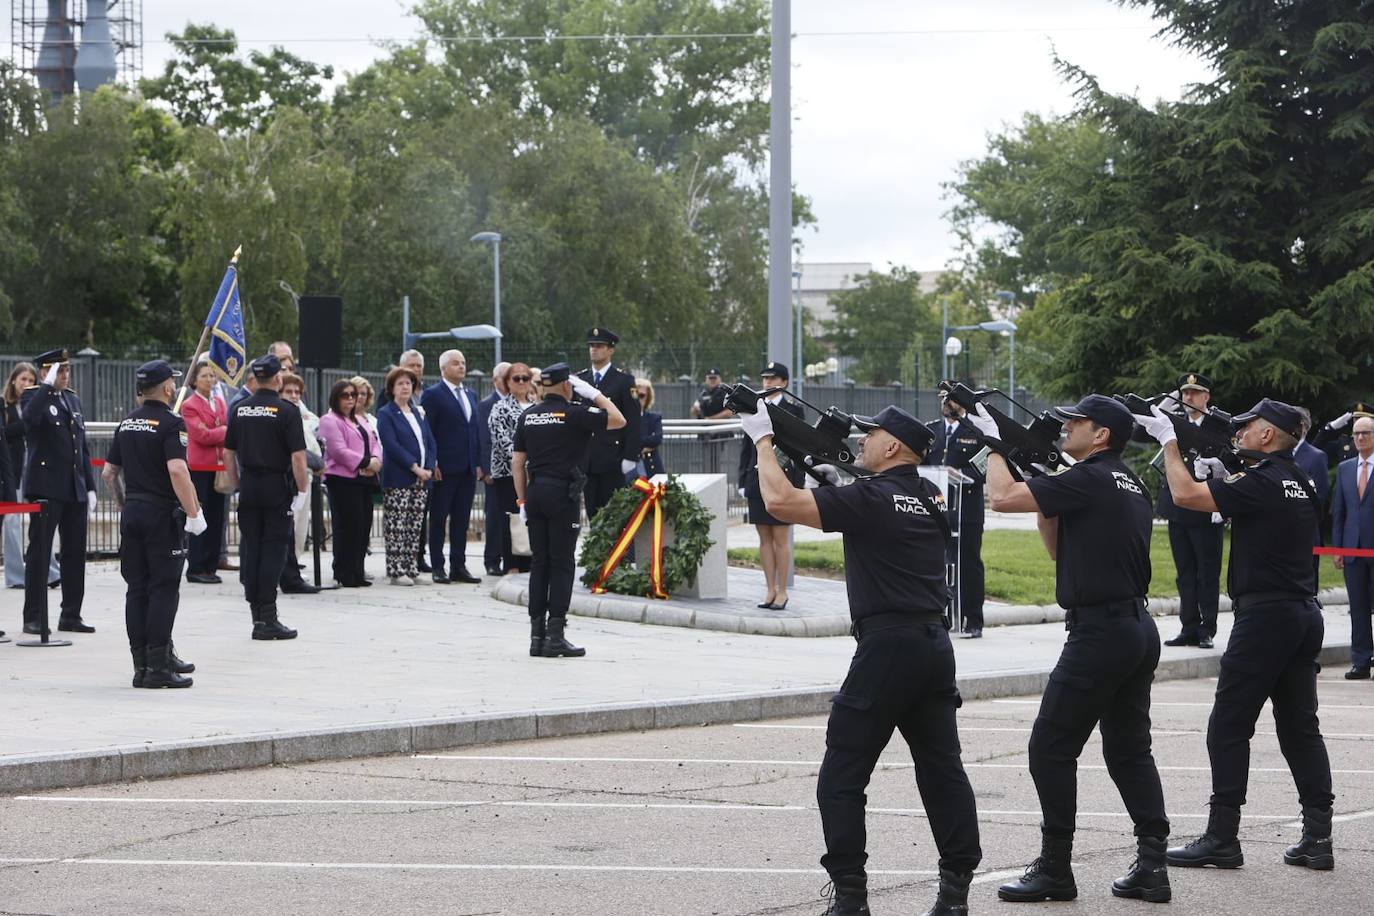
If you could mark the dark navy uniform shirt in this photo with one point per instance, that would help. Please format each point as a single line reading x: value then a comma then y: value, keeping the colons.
x: 1273, y: 522
x: 956, y: 449
x: 556, y: 436
x: 59, y: 460
x: 894, y: 553
x: 1105, y: 518
x: 711, y: 401
x: 264, y: 431
x: 143, y: 444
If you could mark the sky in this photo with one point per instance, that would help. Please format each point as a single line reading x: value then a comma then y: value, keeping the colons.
x: 888, y: 96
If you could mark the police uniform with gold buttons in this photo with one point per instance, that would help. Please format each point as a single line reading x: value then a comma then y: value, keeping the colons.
x: 614, y: 452
x: 265, y: 432
x: 1338, y: 444
x: 152, y: 528
x: 57, y: 469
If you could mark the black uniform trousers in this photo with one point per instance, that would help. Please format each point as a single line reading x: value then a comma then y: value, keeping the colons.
x: 68, y: 518
x: 600, y: 487
x: 1359, y: 585
x: 265, y: 535
x: 205, y: 548
x: 901, y: 677
x: 1271, y: 654
x: 970, y: 560
x: 151, y: 554
x: 350, y: 512
x: 1197, y: 558
x: 555, y: 517
x: 1102, y: 680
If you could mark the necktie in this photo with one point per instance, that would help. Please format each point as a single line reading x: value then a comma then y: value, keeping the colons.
x: 596, y: 376
x: 1364, y: 477
x: 462, y: 399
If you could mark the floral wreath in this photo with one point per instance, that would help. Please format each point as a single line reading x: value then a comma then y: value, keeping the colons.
x: 613, y: 529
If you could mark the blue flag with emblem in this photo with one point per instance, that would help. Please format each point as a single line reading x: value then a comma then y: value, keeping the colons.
x: 228, y: 343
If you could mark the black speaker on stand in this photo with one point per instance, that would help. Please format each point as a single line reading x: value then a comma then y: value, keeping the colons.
x: 321, y: 347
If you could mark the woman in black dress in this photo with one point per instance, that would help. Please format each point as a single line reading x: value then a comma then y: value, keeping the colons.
x: 775, y: 537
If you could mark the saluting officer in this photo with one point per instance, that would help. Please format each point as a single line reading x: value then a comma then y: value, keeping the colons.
x: 615, y: 449
x: 1275, y: 638
x: 1333, y: 439
x: 955, y: 446
x: 1095, y: 519
x: 264, y: 452
x: 902, y: 674
x: 57, y: 469
x: 552, y: 440
x: 159, y: 507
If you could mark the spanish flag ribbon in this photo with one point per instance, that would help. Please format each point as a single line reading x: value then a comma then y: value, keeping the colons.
x: 652, y: 499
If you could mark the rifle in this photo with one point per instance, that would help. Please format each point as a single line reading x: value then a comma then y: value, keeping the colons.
x: 1209, y: 439
x: 1030, y: 449
x: 807, y: 445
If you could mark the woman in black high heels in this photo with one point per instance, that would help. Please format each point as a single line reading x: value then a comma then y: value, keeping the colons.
x: 775, y: 537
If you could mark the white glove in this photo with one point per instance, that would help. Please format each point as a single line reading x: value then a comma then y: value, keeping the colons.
x: 90, y: 503
x: 583, y: 388
x: 758, y: 424
x: 1339, y: 422
x: 1216, y: 518
x: 982, y: 421
x: 51, y: 376
x: 298, y: 502
x: 626, y: 465
x: 196, y: 524
x: 829, y: 472
x: 1207, y: 468
x: 524, y: 516
x: 1158, y: 425
x: 740, y: 491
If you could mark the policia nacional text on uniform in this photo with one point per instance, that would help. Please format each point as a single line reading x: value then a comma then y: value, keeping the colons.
x: 902, y: 674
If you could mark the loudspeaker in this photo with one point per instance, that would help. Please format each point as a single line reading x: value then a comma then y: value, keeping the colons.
x: 321, y: 337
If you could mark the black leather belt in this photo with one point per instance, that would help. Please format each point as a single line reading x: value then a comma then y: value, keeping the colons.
x: 1244, y: 602
x: 862, y: 627
x: 150, y: 498
x: 1130, y: 607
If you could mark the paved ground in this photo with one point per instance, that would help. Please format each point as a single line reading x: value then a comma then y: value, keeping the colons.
x: 686, y: 821
x: 384, y: 654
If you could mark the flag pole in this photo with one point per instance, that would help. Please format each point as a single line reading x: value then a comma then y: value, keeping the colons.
x: 187, y: 381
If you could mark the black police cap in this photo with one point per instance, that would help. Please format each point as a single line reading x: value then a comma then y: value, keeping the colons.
x: 1285, y: 416
x: 53, y: 356
x: 777, y: 370
x: 556, y: 374
x: 908, y: 430
x: 154, y: 372
x: 1362, y: 409
x: 1104, y: 411
x: 602, y: 335
x: 711, y: 372
x: 1194, y: 381
x: 264, y: 367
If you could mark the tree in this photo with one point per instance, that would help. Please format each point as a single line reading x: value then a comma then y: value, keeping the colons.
x: 1230, y: 232
x: 884, y: 321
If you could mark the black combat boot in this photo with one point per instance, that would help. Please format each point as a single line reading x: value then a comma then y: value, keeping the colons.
x: 178, y: 665
x: 555, y: 645
x: 140, y: 655
x: 1148, y: 878
x: 537, y: 629
x: 160, y: 673
x: 269, y: 627
x: 1219, y: 846
x: 1049, y: 877
x: 1314, y: 849
x: 848, y: 895
x: 952, y: 899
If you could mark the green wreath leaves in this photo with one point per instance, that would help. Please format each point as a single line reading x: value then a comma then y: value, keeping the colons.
x: 691, y: 523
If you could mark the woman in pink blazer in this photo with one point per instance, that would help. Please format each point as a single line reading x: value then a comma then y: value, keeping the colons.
x: 352, y: 461
x: 206, y: 416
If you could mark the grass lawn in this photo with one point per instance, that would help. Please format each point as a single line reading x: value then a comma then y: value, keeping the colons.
x: 1018, y: 569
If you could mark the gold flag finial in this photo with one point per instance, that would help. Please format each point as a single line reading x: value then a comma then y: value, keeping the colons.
x: 237, y: 251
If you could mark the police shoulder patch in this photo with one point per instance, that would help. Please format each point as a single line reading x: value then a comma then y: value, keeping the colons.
x: 1232, y: 478
x: 183, y: 438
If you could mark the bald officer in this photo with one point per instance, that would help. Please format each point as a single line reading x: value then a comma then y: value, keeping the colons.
x: 159, y: 508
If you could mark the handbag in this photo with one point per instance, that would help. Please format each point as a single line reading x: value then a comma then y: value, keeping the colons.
x: 222, y: 483
x: 519, y: 536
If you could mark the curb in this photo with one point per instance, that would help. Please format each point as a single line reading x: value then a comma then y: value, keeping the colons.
x: 39, y: 772
x: 665, y: 614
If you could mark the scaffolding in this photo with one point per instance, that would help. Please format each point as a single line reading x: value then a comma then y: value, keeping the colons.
x: 45, y: 38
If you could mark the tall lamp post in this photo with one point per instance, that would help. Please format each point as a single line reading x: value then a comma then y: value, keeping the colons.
x: 797, y: 348
x: 495, y: 239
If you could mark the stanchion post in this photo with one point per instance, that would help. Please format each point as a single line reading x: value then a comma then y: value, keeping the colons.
x: 40, y: 522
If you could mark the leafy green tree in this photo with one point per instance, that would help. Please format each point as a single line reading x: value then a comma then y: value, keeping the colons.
x: 884, y: 321
x: 1232, y: 231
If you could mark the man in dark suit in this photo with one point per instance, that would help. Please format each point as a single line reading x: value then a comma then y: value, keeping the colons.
x: 491, y: 539
x: 455, y: 418
x: 1195, y: 539
x: 9, y: 481
x: 1312, y: 462
x: 955, y: 447
x: 1352, y: 525
x: 57, y: 469
x: 614, y: 452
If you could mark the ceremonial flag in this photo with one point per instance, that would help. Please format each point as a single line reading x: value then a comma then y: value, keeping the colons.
x: 228, y: 343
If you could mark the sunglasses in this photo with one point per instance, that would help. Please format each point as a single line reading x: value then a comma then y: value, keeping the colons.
x: 521, y: 378
x: 348, y: 394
